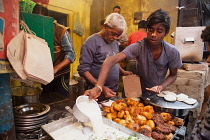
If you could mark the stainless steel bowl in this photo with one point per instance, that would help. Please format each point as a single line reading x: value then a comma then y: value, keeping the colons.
x: 176, y: 108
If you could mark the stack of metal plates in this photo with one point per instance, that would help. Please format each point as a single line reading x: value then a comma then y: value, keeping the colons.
x: 30, y: 117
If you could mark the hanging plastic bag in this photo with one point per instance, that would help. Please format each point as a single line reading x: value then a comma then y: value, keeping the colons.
x: 78, y: 28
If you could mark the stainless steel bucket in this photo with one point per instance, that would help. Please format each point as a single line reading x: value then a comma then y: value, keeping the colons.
x: 25, y: 95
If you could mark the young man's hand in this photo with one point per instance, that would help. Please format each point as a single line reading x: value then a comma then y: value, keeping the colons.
x: 155, y: 89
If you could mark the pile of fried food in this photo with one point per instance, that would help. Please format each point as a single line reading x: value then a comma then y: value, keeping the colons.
x: 143, y: 119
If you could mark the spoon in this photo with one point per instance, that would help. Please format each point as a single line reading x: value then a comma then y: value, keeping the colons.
x: 87, y: 130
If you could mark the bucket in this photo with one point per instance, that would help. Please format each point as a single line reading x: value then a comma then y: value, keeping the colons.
x: 25, y: 95
x: 73, y: 89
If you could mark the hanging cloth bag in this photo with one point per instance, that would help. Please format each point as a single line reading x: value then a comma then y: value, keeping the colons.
x: 37, y: 60
x: 16, y: 52
x: 30, y: 57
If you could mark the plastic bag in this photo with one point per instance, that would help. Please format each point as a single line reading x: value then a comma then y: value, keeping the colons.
x: 78, y: 28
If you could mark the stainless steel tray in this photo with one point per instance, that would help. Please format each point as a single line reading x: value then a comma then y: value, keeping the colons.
x: 121, y: 126
x: 53, y: 126
x: 160, y: 102
x: 129, y: 131
x: 124, y: 129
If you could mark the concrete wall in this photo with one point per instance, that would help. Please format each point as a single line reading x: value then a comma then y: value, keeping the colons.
x: 129, y: 7
x: 96, y: 15
x: 148, y: 6
x: 192, y: 83
x: 93, y: 11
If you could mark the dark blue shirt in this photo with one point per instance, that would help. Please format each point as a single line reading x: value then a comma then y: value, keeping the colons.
x: 93, y: 53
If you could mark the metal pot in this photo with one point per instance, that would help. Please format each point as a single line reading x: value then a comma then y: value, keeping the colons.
x: 25, y: 95
x: 73, y: 89
x: 81, y: 83
x: 178, y: 109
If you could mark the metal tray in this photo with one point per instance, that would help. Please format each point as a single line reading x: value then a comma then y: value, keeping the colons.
x: 160, y: 102
x: 30, y: 123
x: 59, y: 124
x: 31, y: 110
x: 20, y: 119
x: 136, y: 133
x: 121, y: 126
x: 129, y: 131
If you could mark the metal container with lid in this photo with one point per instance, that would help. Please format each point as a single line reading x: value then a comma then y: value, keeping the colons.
x: 81, y: 83
x: 176, y: 108
x: 25, y: 95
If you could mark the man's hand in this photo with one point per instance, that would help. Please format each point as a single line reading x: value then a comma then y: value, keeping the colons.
x: 108, y: 92
x: 61, y: 65
x: 93, y: 93
x: 155, y: 89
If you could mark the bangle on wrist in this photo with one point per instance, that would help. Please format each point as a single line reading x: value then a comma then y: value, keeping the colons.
x: 99, y: 87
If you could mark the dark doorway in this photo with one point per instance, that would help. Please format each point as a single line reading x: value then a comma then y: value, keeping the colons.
x: 60, y: 17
